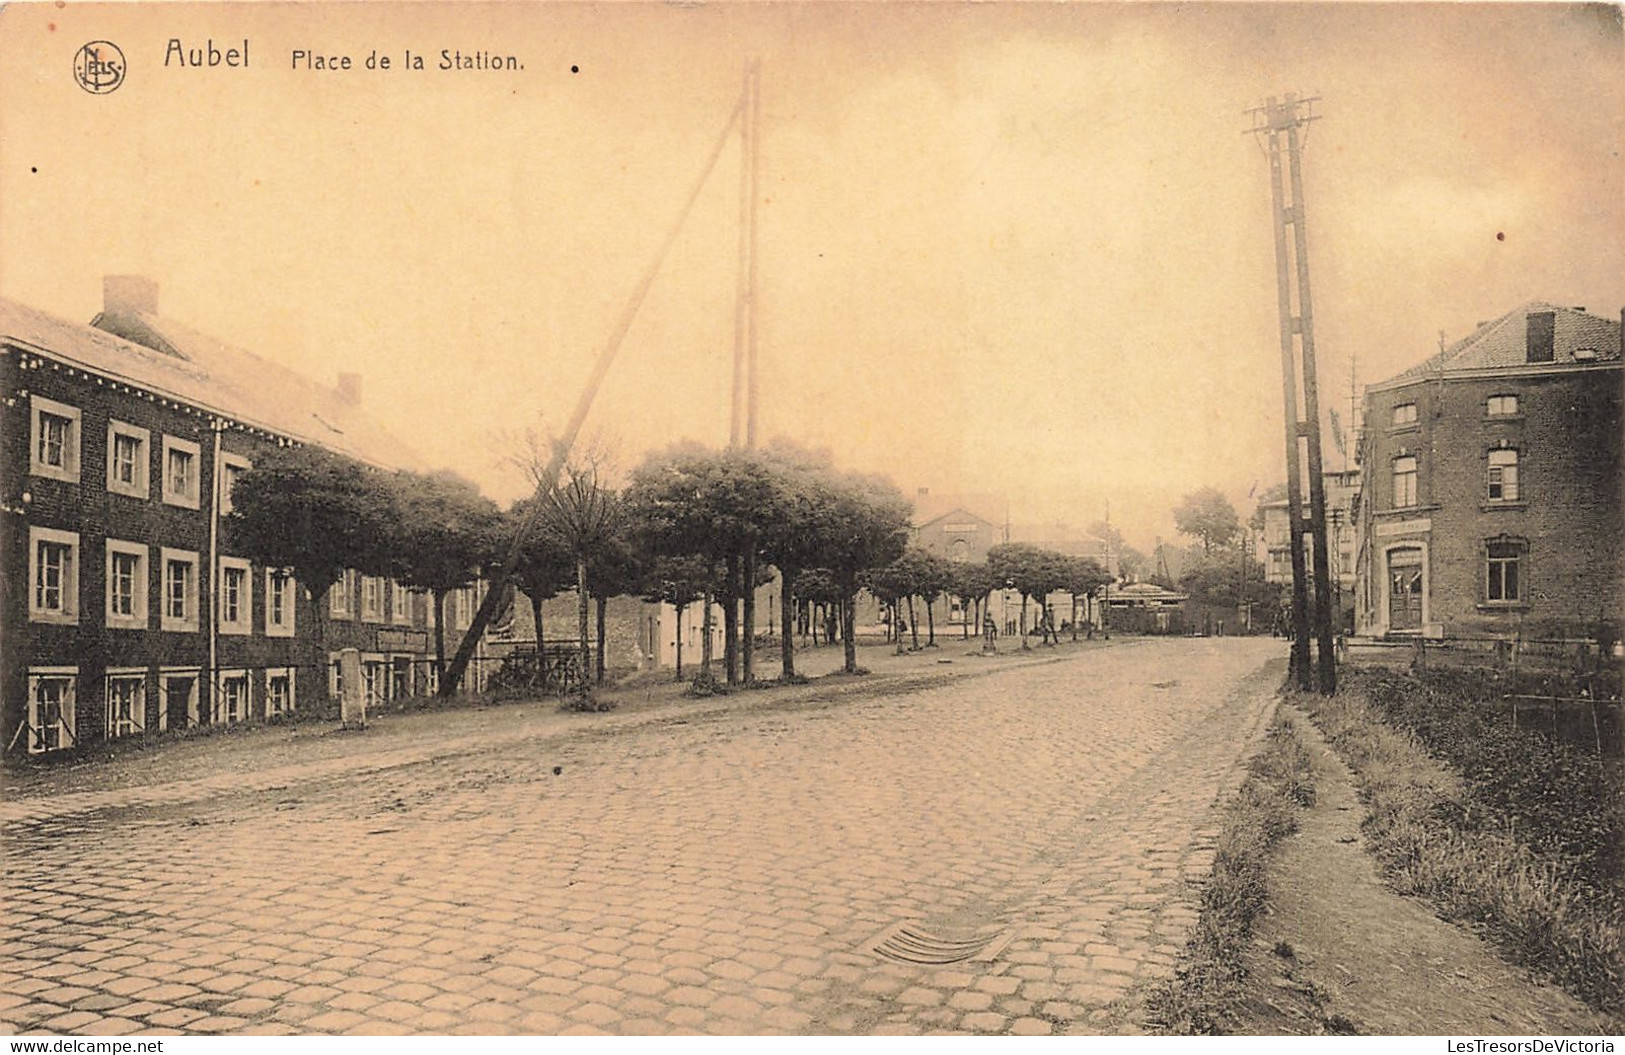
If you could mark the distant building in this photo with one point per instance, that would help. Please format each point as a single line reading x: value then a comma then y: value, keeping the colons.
x: 1342, y: 526
x: 1490, y: 502
x: 961, y: 528
x: 124, y: 609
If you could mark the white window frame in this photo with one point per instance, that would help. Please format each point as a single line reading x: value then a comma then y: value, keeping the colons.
x: 1411, y: 499
x: 217, y: 701
x: 67, y: 720
x: 229, y: 462
x: 372, y: 607
x: 141, y: 486
x: 69, y: 469
x: 341, y: 596
x: 1497, y: 476
x: 272, y: 673
x: 187, y: 623
x: 400, y: 604
x: 279, y: 582
x: 375, y: 678
x: 166, y: 673
x: 244, y: 623
x: 185, y: 499
x: 1518, y: 559
x: 140, y: 614
x: 1501, y: 399
x: 1405, y: 414
x: 335, y: 675
x: 68, y: 613
x: 138, y: 718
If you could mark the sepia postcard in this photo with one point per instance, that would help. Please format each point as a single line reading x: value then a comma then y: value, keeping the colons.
x: 812, y: 519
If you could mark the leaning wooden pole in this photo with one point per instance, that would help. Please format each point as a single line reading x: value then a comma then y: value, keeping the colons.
x: 1300, y: 664
x: 1326, y: 659
x: 562, y: 446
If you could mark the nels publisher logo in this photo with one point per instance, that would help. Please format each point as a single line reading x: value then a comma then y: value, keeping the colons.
x: 99, y: 67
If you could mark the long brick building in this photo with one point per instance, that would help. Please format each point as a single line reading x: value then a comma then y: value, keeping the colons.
x: 1490, y: 502
x: 122, y: 608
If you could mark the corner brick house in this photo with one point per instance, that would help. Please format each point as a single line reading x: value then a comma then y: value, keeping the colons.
x: 1490, y: 503
x: 123, y: 610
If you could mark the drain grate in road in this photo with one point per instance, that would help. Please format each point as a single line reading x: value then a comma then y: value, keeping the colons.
x: 908, y: 942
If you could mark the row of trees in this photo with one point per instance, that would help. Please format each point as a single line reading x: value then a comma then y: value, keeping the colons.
x: 691, y: 525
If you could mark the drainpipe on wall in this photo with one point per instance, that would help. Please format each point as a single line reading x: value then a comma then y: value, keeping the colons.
x: 217, y: 426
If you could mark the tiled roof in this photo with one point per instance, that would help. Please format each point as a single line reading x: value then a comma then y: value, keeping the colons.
x: 212, y: 376
x: 1502, y: 343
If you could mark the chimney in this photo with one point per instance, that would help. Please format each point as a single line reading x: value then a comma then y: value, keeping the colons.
x: 128, y: 294
x: 349, y: 388
x: 1539, y: 345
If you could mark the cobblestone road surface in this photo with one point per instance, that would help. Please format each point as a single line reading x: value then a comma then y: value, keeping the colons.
x: 725, y: 872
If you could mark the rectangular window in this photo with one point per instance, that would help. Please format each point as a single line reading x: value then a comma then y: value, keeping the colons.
x: 236, y: 596
x: 54, y: 451
x: 1501, y: 406
x: 400, y: 604
x: 178, y: 690
x: 181, y: 461
x: 51, y: 708
x: 1404, y: 482
x: 126, y: 585
x: 335, y: 677
x: 374, y: 680
x: 340, y: 597
x: 372, y: 599
x: 127, y: 471
x: 278, y: 691
x: 1405, y: 414
x: 279, y: 602
x: 231, y: 699
x: 180, y: 607
x: 126, y: 703
x: 53, y: 574
x: 232, y: 466
x: 1504, y: 562
x: 1503, y: 475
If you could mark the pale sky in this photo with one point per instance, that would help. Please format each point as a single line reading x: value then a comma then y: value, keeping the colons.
x: 1019, y: 248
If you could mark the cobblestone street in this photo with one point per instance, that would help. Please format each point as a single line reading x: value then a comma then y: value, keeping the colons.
x: 719, y: 870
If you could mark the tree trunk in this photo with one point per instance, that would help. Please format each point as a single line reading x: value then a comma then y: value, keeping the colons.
x: 677, y: 614
x: 536, y: 621
x: 730, y: 622
x: 603, y: 604
x: 1074, y: 619
x: 1024, y: 644
x: 440, y: 639
x: 913, y: 624
x: 787, y: 645
x: 748, y: 591
x: 706, y: 619
x: 930, y: 624
x: 849, y: 616
x: 581, y: 621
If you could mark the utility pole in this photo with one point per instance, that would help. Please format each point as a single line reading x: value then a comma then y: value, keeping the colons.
x: 743, y: 418
x: 1276, y: 120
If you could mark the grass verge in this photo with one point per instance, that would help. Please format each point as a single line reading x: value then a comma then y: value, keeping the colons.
x: 1210, y: 973
x: 1438, y: 833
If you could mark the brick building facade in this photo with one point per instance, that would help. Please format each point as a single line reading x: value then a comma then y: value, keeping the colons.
x: 1491, y: 497
x: 123, y: 610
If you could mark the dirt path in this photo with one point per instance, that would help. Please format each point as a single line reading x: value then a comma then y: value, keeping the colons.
x: 1365, y: 960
